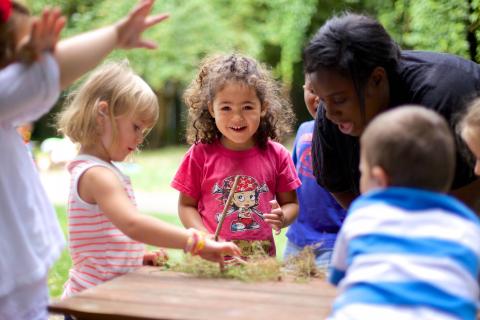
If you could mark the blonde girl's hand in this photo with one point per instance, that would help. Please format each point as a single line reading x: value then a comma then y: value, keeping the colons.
x: 44, y: 35
x: 215, y: 251
x: 155, y: 258
x: 276, y: 217
x: 130, y: 29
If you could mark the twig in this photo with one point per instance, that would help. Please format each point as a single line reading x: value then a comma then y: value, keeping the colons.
x: 239, y: 260
x: 227, y: 205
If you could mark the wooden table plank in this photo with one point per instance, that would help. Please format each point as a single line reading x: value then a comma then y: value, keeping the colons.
x: 149, y: 293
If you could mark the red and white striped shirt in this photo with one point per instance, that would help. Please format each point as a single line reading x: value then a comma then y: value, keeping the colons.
x: 99, y: 250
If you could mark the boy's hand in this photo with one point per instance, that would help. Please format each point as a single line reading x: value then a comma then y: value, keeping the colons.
x: 155, y: 258
x: 275, y: 218
x: 130, y: 28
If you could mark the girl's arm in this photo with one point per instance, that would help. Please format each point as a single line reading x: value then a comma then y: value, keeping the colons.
x: 99, y: 185
x: 284, y: 210
x: 188, y: 213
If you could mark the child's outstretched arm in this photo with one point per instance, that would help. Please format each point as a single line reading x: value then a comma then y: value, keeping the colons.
x: 284, y: 210
x: 188, y: 213
x: 81, y: 53
x: 101, y: 186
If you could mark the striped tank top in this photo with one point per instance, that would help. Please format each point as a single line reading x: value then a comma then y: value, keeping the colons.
x: 99, y: 250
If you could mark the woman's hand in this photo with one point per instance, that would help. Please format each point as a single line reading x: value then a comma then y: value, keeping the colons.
x: 130, y: 28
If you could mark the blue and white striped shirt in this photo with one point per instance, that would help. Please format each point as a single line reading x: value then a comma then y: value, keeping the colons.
x: 407, y: 254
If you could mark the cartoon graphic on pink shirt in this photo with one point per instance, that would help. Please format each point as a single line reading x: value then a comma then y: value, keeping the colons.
x: 244, y: 203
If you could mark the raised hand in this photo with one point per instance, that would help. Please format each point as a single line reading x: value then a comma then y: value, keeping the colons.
x: 130, y: 28
x: 43, y: 37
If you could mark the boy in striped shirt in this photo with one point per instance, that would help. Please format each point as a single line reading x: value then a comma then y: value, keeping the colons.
x: 406, y: 249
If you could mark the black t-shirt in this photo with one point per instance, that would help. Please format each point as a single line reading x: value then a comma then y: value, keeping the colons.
x: 441, y: 82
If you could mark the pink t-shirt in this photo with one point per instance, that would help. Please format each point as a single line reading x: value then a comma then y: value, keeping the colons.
x: 207, y: 173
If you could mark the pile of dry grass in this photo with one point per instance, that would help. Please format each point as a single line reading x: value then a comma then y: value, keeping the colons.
x: 257, y: 267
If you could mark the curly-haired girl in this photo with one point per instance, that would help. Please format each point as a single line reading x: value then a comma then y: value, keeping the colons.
x: 236, y: 112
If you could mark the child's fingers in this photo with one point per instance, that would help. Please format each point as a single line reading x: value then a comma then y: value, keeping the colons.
x: 141, y: 9
x: 35, y: 33
x: 275, y: 220
x: 161, y: 253
x: 49, y: 20
x: 59, y: 25
x: 49, y: 31
x: 232, y: 249
x: 147, y: 44
x: 153, y: 20
x: 274, y: 204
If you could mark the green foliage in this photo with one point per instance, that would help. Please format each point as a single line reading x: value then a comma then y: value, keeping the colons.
x: 436, y: 25
x: 197, y: 28
x: 273, y: 31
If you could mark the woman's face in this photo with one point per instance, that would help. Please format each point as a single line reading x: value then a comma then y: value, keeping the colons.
x: 341, y: 102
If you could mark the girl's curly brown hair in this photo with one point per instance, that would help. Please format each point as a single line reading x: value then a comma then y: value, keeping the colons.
x: 214, y: 73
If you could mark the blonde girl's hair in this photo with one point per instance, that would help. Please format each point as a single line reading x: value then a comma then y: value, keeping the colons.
x: 8, y: 32
x: 217, y: 71
x: 116, y: 84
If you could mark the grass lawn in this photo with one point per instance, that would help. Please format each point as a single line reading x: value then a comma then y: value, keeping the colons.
x: 152, y: 171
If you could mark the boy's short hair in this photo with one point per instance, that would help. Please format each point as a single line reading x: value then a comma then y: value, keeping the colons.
x: 413, y: 145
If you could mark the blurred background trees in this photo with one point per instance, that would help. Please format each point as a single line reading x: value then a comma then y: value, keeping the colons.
x: 273, y: 31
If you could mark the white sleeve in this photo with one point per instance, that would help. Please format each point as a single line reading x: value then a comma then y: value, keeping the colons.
x: 28, y: 91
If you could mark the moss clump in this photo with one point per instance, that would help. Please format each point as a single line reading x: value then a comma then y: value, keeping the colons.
x: 258, y: 266
x: 302, y: 266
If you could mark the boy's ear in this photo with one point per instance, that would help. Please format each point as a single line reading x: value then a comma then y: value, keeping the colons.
x: 381, y: 178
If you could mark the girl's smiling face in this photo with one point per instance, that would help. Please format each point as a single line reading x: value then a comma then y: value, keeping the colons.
x: 237, y: 110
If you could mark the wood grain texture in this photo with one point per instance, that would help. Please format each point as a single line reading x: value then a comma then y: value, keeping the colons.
x: 150, y: 293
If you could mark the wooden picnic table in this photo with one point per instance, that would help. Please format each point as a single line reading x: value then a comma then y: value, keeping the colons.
x: 150, y: 293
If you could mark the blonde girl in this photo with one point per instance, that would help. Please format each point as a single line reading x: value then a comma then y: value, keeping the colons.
x: 33, y: 70
x: 109, y: 117
x: 236, y: 112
